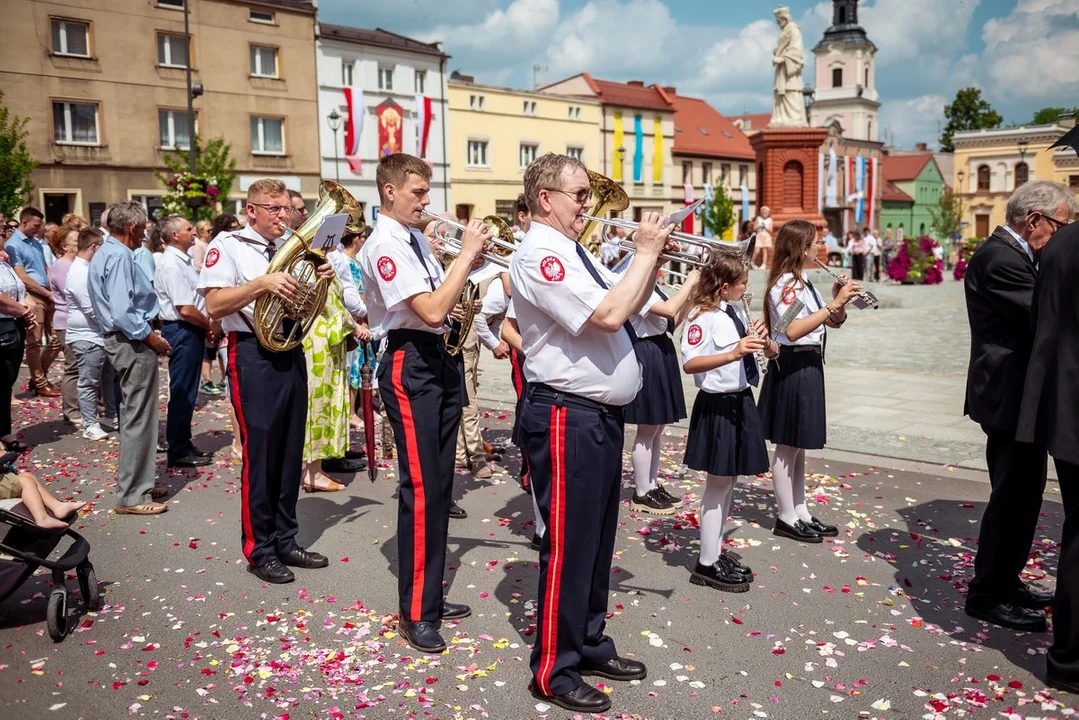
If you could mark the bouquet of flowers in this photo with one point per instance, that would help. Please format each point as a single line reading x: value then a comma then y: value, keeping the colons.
x: 189, y: 190
x: 965, y: 250
x: 916, y: 263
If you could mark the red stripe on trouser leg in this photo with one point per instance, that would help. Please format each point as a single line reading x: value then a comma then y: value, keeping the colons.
x: 556, y: 530
x: 515, y: 361
x: 245, y: 479
x: 415, y: 471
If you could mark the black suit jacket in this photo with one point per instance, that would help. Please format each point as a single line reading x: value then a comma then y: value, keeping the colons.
x: 999, y: 288
x: 1049, y: 414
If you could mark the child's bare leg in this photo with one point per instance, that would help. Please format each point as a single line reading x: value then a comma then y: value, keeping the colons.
x: 32, y: 499
x: 59, y: 508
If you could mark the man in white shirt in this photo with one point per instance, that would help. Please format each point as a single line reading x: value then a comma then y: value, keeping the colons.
x: 581, y: 369
x: 185, y: 325
x: 87, y: 344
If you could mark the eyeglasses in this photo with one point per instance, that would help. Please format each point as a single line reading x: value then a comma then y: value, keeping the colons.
x: 581, y: 196
x: 273, y: 209
x: 1056, y: 223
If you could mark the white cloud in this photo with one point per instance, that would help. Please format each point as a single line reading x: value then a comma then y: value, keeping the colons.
x: 404, y: 16
x: 1034, y: 51
x: 912, y: 120
x: 743, y: 61
x: 922, y: 31
x: 610, y: 38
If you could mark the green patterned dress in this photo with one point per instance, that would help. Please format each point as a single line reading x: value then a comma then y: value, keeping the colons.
x: 325, y: 348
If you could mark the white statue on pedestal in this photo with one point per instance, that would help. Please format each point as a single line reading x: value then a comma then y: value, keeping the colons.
x: 788, y: 108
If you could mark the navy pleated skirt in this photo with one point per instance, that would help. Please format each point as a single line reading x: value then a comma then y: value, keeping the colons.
x: 726, y: 436
x: 792, y: 402
x: 661, y: 400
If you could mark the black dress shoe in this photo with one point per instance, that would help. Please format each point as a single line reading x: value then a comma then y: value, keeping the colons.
x: 189, y: 461
x: 343, y: 465
x: 535, y: 544
x: 355, y: 454
x: 583, y: 699
x: 162, y: 446
x: 302, y: 558
x: 272, y: 572
x: 617, y: 668
x: 720, y: 576
x: 1033, y: 598
x: 799, y: 531
x: 1058, y: 684
x: 735, y: 566
x: 457, y: 512
x: 825, y: 530
x: 454, y: 611
x: 422, y: 635
x: 202, y: 453
x: 1009, y: 615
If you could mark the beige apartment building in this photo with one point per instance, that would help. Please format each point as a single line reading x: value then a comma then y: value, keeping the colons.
x: 104, y: 85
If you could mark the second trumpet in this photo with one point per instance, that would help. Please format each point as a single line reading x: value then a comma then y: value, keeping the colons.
x: 499, y: 248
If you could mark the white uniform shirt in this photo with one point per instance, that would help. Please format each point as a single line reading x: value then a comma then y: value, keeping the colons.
x: 554, y: 295
x: 488, y: 320
x: 779, y: 300
x: 714, y: 333
x: 392, y: 273
x: 175, y: 281
x: 234, y: 259
x: 350, y: 293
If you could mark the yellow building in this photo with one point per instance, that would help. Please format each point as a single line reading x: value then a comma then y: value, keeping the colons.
x: 495, y: 133
x: 991, y: 164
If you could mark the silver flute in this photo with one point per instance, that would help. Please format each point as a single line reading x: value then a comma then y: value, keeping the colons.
x: 758, y: 355
x: 862, y: 300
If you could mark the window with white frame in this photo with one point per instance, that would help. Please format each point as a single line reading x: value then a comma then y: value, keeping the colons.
x: 528, y: 154
x: 70, y: 37
x: 385, y: 77
x: 574, y: 112
x: 347, y: 66
x: 529, y: 107
x: 421, y: 81
x: 75, y: 123
x: 476, y: 102
x: 477, y: 153
x: 174, y: 129
x: 267, y: 135
x: 263, y: 61
x: 179, y: 4
x: 171, y: 50
x: 574, y: 151
x: 261, y: 16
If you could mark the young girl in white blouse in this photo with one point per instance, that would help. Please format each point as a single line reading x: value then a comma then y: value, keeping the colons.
x: 792, y: 402
x: 726, y: 438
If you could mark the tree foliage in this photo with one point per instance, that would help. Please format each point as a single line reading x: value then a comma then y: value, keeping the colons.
x: 211, y: 160
x: 969, y: 111
x: 947, y: 216
x: 719, y: 213
x: 1049, y: 115
x: 16, y: 163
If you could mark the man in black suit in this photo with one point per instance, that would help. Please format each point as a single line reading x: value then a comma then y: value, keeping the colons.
x: 999, y: 289
x: 1048, y: 415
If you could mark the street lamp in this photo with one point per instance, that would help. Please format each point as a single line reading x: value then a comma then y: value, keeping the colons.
x: 961, y: 175
x: 622, y: 161
x: 807, y: 96
x: 334, y: 119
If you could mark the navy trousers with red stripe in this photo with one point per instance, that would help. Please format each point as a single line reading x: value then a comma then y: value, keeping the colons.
x: 269, y: 394
x: 517, y: 376
x: 420, y: 385
x: 575, y: 459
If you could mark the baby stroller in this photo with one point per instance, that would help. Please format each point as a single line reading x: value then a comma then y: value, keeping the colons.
x: 24, y: 547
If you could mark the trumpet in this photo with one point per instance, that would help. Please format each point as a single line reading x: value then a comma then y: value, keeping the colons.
x: 672, y: 278
x: 758, y: 355
x: 707, y: 245
x: 862, y: 300
x: 499, y: 248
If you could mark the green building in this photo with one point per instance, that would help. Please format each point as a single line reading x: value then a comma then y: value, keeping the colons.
x: 912, y: 185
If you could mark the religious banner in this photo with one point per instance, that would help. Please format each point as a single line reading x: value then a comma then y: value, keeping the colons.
x: 423, y: 124
x: 389, y: 128
x: 353, y: 129
x: 616, y: 160
x: 832, y: 198
x: 687, y: 224
x: 638, y: 152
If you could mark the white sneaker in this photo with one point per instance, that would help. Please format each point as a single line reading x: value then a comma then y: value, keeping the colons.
x: 94, y: 432
x: 110, y: 425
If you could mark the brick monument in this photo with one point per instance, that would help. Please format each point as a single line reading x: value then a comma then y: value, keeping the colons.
x: 787, y: 182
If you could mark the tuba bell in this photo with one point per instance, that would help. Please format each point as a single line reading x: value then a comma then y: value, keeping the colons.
x: 281, y: 325
x: 607, y: 196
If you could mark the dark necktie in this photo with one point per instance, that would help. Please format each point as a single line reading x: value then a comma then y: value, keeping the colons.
x: 750, y: 363
x: 816, y: 301
x: 670, y: 321
x: 583, y: 254
x: 414, y: 241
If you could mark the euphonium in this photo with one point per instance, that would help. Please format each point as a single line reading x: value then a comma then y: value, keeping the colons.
x: 607, y: 196
x: 281, y: 325
x: 458, y: 334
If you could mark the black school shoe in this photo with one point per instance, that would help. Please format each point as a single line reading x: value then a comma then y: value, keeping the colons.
x: 582, y: 699
x: 457, y: 512
x: 672, y: 500
x: 735, y: 566
x: 719, y: 576
x: 799, y: 531
x: 617, y: 668
x: 272, y: 572
x: 304, y: 558
x: 651, y: 503
x: 535, y: 544
x: 1009, y: 615
x: 422, y: 635
x: 825, y: 530
x: 453, y: 611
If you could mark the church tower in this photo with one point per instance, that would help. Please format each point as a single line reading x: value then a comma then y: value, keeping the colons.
x: 846, y: 88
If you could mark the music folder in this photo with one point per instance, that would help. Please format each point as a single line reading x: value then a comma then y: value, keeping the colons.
x: 329, y: 232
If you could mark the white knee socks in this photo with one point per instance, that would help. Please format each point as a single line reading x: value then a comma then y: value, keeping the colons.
x: 788, y: 483
x: 645, y: 457
x: 715, y: 508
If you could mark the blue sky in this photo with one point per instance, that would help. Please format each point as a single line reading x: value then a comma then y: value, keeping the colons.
x: 1024, y: 54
